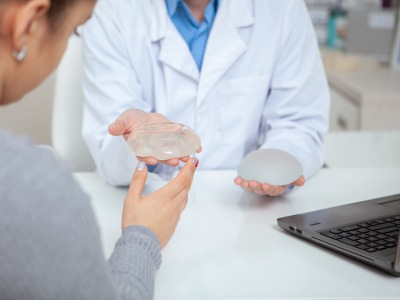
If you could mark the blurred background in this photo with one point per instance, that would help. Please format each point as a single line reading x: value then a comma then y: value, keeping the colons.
x: 360, y: 47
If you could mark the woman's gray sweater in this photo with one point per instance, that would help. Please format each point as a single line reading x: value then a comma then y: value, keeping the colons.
x: 49, y: 240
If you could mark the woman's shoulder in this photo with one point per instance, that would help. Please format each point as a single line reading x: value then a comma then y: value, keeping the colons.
x: 33, y: 168
x: 47, y: 225
x: 16, y: 152
x: 19, y: 154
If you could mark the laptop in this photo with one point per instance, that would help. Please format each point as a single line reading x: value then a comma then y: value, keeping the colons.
x: 368, y: 231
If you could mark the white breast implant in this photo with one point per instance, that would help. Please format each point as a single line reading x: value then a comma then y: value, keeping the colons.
x: 271, y: 166
x: 164, y: 141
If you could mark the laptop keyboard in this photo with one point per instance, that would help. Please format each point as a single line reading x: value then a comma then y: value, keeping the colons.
x: 374, y: 235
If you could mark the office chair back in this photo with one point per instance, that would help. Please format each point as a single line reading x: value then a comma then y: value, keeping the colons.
x: 67, y: 110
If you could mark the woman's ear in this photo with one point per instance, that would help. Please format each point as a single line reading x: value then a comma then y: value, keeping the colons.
x: 26, y: 20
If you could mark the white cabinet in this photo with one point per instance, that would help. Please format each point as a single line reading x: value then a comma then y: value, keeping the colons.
x: 344, y: 114
x: 365, y: 94
x: 362, y: 103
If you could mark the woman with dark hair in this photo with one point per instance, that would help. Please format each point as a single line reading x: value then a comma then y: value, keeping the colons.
x: 50, y: 244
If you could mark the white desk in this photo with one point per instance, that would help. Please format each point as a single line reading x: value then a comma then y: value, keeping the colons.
x: 362, y: 149
x: 228, y: 245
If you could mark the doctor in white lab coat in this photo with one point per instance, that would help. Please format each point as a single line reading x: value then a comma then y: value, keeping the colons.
x: 261, y: 84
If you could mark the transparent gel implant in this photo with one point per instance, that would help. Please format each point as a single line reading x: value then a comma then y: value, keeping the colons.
x: 164, y: 141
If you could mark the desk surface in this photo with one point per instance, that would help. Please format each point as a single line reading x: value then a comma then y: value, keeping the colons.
x: 362, y: 149
x: 228, y: 245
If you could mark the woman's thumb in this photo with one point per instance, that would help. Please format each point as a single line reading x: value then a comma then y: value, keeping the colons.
x: 138, y: 180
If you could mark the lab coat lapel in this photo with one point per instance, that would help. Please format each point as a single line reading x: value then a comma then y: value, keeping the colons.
x: 225, y: 44
x: 174, y: 51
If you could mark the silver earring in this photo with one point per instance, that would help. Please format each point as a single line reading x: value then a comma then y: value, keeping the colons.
x: 21, y: 54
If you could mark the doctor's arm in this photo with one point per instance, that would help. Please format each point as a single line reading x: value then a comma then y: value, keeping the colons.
x: 296, y: 112
x: 110, y: 87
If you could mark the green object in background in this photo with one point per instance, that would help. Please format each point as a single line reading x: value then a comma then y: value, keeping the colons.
x: 337, y: 27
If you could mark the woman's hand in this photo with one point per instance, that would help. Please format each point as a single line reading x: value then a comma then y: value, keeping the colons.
x: 160, y: 211
x: 258, y: 188
x: 131, y: 119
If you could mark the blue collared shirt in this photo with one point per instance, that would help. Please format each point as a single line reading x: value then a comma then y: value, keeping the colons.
x: 194, y: 33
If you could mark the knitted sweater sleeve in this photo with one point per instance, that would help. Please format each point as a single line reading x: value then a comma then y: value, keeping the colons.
x: 50, y: 243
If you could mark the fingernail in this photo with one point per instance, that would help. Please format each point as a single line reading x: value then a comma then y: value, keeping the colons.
x: 195, y: 161
x: 140, y: 165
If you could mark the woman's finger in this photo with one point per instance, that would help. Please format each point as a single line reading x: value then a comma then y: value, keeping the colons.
x: 182, y: 181
x: 138, y: 180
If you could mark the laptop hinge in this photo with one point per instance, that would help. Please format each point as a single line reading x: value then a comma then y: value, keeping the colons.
x: 397, y: 258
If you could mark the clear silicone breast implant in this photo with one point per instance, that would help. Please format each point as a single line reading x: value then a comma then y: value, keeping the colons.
x: 164, y: 141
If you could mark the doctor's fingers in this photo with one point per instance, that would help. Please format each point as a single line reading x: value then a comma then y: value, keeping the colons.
x: 268, y: 192
x: 199, y: 150
x: 171, y: 162
x: 256, y: 187
x: 274, y: 190
x: 267, y: 189
x: 121, y: 126
x: 247, y: 185
x: 238, y: 180
x: 149, y: 160
x: 124, y: 124
x: 300, y: 181
x: 157, y: 118
x: 252, y: 186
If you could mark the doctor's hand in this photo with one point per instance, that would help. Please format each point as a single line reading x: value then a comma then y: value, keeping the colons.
x: 266, y: 189
x: 131, y: 119
x: 160, y: 211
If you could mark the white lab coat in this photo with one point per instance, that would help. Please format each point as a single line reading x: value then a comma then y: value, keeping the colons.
x: 262, y: 82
